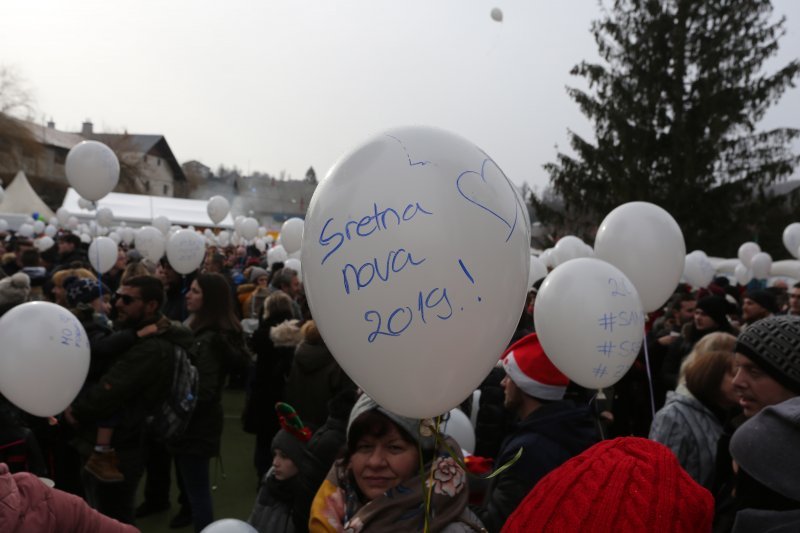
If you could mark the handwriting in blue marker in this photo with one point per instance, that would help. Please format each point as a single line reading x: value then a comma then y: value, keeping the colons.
x: 396, y: 261
x: 599, y: 371
x: 471, y: 185
x: 607, y: 321
x: 619, y: 287
x: 410, y: 162
x: 606, y: 349
x: 400, y: 319
x: 378, y: 220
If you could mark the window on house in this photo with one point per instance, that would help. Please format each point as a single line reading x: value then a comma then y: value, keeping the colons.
x: 158, y: 162
x: 166, y: 189
x: 145, y: 159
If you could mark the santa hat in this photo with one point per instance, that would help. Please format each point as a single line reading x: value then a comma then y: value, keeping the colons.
x: 529, y: 368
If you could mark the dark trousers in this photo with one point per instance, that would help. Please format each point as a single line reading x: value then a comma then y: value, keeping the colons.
x: 194, y: 473
x: 157, y: 483
x: 116, y: 499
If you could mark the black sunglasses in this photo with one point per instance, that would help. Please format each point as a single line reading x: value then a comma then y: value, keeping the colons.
x: 127, y: 299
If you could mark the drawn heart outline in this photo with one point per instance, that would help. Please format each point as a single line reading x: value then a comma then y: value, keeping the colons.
x: 489, y: 164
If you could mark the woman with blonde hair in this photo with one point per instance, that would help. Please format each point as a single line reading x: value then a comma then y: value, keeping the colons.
x: 691, y: 421
x: 58, y: 279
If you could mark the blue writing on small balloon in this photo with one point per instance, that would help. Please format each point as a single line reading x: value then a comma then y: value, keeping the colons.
x: 378, y: 220
x: 600, y: 370
x: 396, y: 261
x: 405, y: 316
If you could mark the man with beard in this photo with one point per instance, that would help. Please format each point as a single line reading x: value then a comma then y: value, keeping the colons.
x: 137, y: 383
x: 550, y: 430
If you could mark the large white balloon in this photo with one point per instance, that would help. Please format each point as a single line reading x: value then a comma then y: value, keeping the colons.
x: 45, y: 357
x: 38, y: 227
x: 102, y: 254
x: 646, y: 244
x: 150, y: 242
x: 413, y: 310
x: 248, y: 229
x: 698, y: 270
x: 742, y: 274
x: 537, y: 271
x: 105, y: 217
x: 92, y: 169
x: 761, y: 265
x: 44, y: 244
x: 590, y: 321
x: 746, y: 253
x: 185, y: 251
x: 460, y: 428
x: 217, y: 208
x: 292, y: 234
x: 791, y: 238
x: 50, y: 230
x: 229, y: 525
x: 26, y: 230
x: 295, y: 265
x: 276, y: 254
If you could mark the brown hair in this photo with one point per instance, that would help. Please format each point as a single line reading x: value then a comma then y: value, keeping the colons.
x: 277, y: 305
x: 311, y: 334
x: 710, y: 360
x: 61, y: 276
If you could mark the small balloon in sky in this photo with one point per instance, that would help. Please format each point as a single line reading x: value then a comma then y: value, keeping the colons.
x: 497, y: 14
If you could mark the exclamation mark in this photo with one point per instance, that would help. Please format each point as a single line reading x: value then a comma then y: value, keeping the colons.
x: 469, y: 276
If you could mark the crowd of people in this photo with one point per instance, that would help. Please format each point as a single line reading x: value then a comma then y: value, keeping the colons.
x: 702, y: 434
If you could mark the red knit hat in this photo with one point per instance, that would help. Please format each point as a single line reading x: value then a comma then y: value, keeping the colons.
x: 530, y: 369
x: 620, y: 485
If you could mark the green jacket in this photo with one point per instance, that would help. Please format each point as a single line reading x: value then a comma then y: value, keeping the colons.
x: 137, y: 383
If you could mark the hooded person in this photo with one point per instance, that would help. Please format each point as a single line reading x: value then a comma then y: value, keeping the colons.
x: 625, y: 484
x: 279, y: 505
x: 550, y: 430
x: 14, y: 290
x: 377, y: 485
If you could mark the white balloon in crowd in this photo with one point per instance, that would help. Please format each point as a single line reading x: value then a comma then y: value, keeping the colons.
x: 92, y: 169
x: 546, y: 257
x: 276, y: 254
x: 127, y: 235
x: 791, y: 238
x: 44, y: 244
x: 185, y: 251
x: 742, y: 274
x: 746, y: 253
x: 150, y: 242
x: 237, y: 222
x: 86, y: 238
x: 590, y: 321
x: 261, y: 245
x: 292, y: 234
x: 38, y: 227
x: 460, y: 428
x: 83, y: 203
x: 760, y: 265
x: 50, y: 230
x: 262, y: 231
x: 646, y: 244
x: 162, y: 224
x: 223, y: 238
x: 45, y: 357
x: 26, y: 230
x: 105, y: 217
x: 102, y: 254
x: 29, y: 220
x: 698, y: 270
x: 217, y: 208
x: 63, y: 215
x: 568, y: 247
x: 114, y: 236
x: 73, y: 223
x: 3, y: 224
x: 248, y: 228
x: 537, y: 271
x: 295, y: 265
x: 497, y: 14
x: 414, y: 312
x: 269, y: 239
x: 229, y: 525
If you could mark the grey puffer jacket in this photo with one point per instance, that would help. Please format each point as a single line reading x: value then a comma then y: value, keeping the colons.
x: 691, y: 431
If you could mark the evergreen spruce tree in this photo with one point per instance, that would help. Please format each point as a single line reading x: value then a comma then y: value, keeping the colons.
x: 675, y: 106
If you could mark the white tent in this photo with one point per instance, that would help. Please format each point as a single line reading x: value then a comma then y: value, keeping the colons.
x: 20, y: 198
x: 140, y: 209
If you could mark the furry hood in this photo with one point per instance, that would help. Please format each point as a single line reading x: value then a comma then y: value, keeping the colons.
x: 287, y: 333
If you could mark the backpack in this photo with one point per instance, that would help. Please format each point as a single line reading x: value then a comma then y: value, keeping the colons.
x: 169, y: 421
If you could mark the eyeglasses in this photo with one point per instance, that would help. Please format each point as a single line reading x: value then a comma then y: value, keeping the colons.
x: 127, y: 299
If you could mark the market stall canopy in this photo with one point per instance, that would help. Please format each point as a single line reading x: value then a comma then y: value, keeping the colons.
x: 20, y: 198
x: 140, y: 209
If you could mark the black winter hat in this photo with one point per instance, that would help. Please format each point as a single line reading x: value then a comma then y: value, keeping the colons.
x: 774, y: 344
x: 763, y: 298
x: 716, y: 307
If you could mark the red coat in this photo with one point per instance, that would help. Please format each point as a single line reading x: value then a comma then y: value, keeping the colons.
x: 27, y: 504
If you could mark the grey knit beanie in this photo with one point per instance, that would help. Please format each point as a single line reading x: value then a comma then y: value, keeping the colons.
x: 409, y: 425
x: 15, y: 289
x: 774, y: 344
x: 767, y: 445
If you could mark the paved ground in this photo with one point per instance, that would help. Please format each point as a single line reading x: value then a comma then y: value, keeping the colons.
x: 235, y: 490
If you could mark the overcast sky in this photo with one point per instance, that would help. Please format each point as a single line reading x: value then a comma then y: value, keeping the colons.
x: 283, y: 85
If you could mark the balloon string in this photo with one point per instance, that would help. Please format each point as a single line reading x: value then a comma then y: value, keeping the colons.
x: 649, y: 376
x: 99, y: 278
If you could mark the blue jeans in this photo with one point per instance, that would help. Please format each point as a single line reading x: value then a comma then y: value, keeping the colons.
x: 194, y: 472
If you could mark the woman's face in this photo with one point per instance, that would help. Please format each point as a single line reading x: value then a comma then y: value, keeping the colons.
x: 382, y: 463
x: 194, y: 298
x: 284, y: 468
